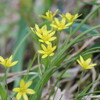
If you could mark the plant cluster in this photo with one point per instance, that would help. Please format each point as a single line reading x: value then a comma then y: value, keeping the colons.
x: 53, y: 57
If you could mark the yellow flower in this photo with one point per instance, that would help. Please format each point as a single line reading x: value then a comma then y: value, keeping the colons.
x: 44, y: 35
x: 7, y: 62
x: 23, y: 90
x: 38, y: 30
x: 70, y: 18
x: 49, y: 15
x: 60, y: 25
x: 47, y: 51
x: 85, y: 63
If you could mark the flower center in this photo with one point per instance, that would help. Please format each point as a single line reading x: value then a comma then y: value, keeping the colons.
x: 23, y: 90
x: 46, y: 38
x: 48, y: 51
x: 61, y: 25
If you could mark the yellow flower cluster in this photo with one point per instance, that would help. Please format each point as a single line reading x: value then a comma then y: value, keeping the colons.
x: 85, y: 63
x: 49, y: 15
x: 59, y: 24
x: 47, y: 36
x: 23, y: 90
x: 47, y: 51
x: 69, y: 17
x: 44, y: 35
x: 7, y: 62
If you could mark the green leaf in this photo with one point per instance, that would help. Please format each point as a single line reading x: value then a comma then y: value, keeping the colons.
x: 65, y: 75
x: 3, y: 93
x: 41, y: 83
x: 83, y: 28
x: 20, y: 49
x: 79, y: 97
x: 90, y: 3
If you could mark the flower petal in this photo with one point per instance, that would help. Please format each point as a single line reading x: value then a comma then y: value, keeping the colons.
x: 1, y: 59
x: 89, y: 67
x: 55, y: 12
x: 53, y: 25
x: 93, y: 65
x: 52, y: 33
x: 28, y: 84
x: 47, y: 42
x: 41, y: 51
x: 57, y: 21
x: 81, y: 59
x: 51, y: 54
x: 18, y: 97
x: 13, y: 63
x: 32, y: 29
x: 25, y: 97
x: 52, y: 38
x: 44, y: 56
x: 88, y: 60
x: 22, y: 83
x: 43, y: 47
x: 68, y: 24
x: 44, y: 27
x: 16, y: 89
x: 63, y: 21
x: 30, y: 91
x: 40, y: 40
x: 10, y: 58
x: 79, y: 62
x: 37, y: 27
x: 39, y: 35
x: 43, y: 16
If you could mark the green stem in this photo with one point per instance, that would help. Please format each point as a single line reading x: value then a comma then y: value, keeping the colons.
x: 18, y: 47
x: 29, y: 67
x: 39, y: 65
x: 69, y: 37
x: 58, y: 81
x: 47, y: 63
x: 94, y: 92
x: 5, y: 77
x: 58, y: 39
x: 55, y: 93
x: 80, y: 81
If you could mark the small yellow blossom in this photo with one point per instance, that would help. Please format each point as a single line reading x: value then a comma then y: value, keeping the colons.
x: 70, y: 18
x: 59, y: 24
x: 23, y: 90
x: 49, y: 15
x: 7, y: 62
x: 38, y: 30
x: 85, y: 64
x: 47, y: 51
x: 44, y: 35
